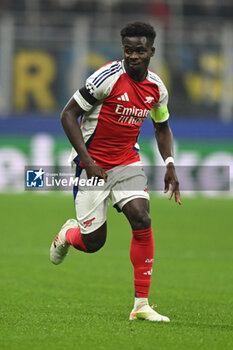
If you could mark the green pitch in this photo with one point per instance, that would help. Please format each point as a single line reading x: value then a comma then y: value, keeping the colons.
x: 85, y: 302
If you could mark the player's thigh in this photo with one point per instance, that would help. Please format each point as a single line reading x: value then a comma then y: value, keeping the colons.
x: 131, y: 196
x: 132, y: 184
x: 91, y: 210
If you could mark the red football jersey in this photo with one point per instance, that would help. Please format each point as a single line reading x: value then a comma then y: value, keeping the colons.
x: 116, y: 107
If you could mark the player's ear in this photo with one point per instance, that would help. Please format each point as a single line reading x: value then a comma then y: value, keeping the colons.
x: 152, y: 51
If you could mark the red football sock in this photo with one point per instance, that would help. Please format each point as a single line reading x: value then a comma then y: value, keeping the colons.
x: 142, y: 256
x: 73, y: 237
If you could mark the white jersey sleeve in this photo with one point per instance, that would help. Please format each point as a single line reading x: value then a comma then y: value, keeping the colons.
x: 98, y: 86
x: 159, y: 112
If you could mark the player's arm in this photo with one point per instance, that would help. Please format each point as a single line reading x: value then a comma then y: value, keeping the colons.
x: 69, y: 118
x: 96, y: 89
x: 164, y: 139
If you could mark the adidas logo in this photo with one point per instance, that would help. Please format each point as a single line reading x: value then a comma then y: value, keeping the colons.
x: 124, y: 97
x: 148, y: 273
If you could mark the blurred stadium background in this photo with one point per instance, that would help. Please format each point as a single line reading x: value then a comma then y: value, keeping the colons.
x: 49, y: 47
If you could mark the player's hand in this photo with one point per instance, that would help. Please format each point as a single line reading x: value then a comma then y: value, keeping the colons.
x: 94, y: 170
x: 171, y: 179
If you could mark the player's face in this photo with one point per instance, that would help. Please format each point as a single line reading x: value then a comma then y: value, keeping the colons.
x: 137, y: 54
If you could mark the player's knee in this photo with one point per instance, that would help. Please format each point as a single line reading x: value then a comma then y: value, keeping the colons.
x: 141, y: 220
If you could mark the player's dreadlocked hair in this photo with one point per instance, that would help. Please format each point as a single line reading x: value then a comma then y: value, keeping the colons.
x: 133, y: 29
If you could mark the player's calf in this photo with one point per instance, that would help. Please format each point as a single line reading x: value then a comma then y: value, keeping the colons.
x: 95, y: 240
